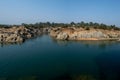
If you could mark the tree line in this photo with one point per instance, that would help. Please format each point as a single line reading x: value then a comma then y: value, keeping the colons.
x: 82, y: 24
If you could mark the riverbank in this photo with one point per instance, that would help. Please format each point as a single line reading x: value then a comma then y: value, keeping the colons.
x: 83, y: 34
x: 21, y: 33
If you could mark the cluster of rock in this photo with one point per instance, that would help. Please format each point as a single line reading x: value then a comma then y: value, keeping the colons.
x: 46, y: 30
x: 17, y: 34
x: 82, y: 34
x: 21, y: 33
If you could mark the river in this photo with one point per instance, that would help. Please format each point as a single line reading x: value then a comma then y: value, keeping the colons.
x: 44, y: 58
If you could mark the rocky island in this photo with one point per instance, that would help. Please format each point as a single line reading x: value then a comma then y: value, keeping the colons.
x: 59, y: 31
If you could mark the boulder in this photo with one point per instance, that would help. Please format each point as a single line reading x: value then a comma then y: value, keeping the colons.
x: 62, y: 36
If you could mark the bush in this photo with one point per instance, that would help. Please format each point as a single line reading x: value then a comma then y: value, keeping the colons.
x: 87, y: 28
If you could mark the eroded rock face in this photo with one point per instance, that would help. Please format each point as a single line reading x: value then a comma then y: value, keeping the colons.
x: 7, y: 37
x: 77, y: 34
x: 62, y: 36
x: 17, y: 34
x: 91, y: 34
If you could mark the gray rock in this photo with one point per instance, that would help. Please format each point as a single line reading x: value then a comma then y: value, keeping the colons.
x: 17, y: 34
x: 62, y: 36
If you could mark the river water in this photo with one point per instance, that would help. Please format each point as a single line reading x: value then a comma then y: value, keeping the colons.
x: 44, y: 58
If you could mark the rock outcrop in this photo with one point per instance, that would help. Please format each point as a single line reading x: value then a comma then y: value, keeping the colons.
x: 21, y: 33
x: 17, y: 34
x: 82, y: 34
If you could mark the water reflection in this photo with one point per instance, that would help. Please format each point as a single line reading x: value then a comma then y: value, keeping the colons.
x: 3, y: 44
x: 100, y: 44
x: 9, y: 44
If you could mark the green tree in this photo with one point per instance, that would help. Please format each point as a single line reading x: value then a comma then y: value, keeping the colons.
x: 72, y: 24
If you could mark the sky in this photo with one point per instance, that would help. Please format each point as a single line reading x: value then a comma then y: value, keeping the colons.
x: 61, y: 11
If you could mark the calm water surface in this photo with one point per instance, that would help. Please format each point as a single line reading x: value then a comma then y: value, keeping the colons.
x: 46, y: 59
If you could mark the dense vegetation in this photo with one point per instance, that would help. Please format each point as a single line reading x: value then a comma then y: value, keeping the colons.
x: 5, y: 26
x: 82, y: 24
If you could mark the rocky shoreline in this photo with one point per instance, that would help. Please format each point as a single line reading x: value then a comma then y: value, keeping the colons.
x: 82, y: 34
x: 21, y: 33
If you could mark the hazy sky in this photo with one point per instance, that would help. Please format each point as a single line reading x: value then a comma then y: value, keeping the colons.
x: 31, y: 11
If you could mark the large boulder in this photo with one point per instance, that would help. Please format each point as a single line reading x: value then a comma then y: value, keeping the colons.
x: 62, y: 36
